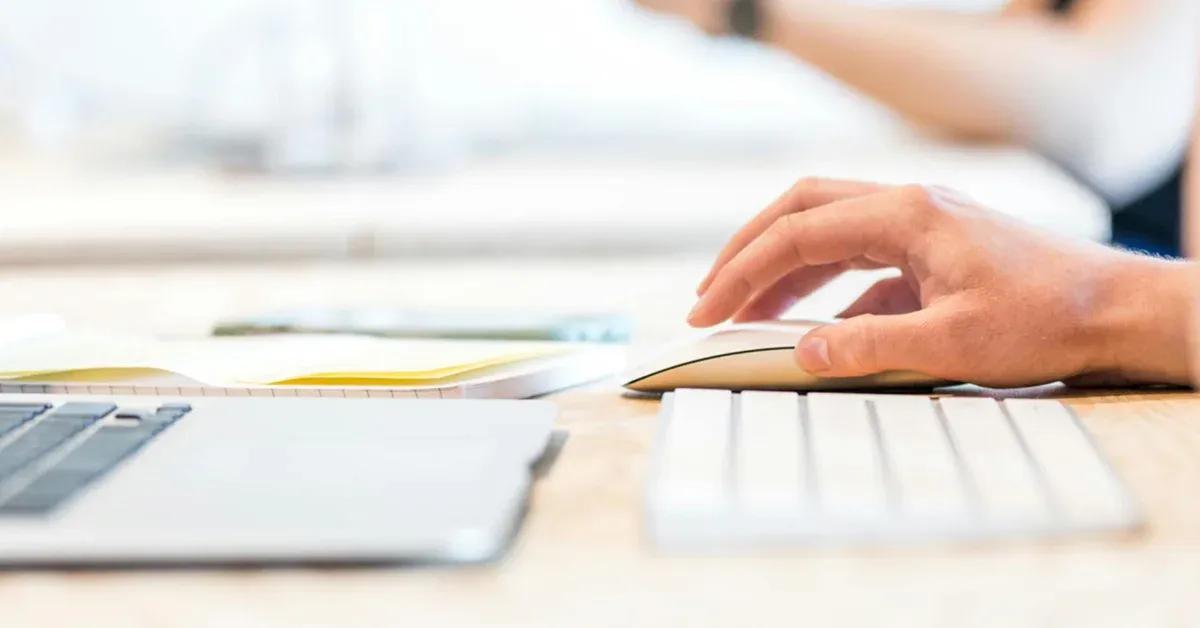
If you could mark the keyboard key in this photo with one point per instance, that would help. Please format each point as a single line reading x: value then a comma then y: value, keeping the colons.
x: 34, y: 407
x: 770, y: 470
x: 167, y: 416
x: 1083, y: 487
x: 34, y: 443
x: 171, y: 412
x: 104, y: 449
x: 923, y: 473
x: 80, y: 466
x: 86, y: 410
x: 21, y: 411
x: 694, y: 470
x: 87, y: 461
x: 58, y: 482
x: 27, y: 503
x: 1006, y: 485
x: 846, y: 461
x: 46, y: 492
x: 8, y: 424
x: 16, y: 416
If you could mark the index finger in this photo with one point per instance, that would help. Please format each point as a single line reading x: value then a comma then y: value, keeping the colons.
x: 879, y: 227
x: 805, y: 194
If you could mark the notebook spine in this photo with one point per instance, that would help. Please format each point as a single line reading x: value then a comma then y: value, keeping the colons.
x: 448, y: 392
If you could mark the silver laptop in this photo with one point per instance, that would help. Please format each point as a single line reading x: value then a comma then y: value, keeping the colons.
x: 134, y: 480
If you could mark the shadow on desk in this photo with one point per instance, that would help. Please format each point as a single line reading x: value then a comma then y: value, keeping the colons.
x: 1059, y: 390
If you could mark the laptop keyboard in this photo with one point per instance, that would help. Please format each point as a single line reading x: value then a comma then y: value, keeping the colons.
x: 49, y: 453
x: 776, y: 467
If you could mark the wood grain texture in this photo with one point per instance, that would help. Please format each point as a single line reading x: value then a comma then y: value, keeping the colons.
x: 580, y: 558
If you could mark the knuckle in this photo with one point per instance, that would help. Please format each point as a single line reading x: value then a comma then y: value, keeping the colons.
x: 809, y: 184
x: 916, y: 195
x: 784, y: 227
x: 920, y: 204
x: 745, y: 286
x: 787, y: 224
x: 788, y: 228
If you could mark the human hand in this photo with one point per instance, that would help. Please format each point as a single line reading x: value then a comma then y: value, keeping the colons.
x: 981, y: 298
x: 708, y: 15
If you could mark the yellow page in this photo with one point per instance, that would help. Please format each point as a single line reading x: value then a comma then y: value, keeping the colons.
x: 298, y: 359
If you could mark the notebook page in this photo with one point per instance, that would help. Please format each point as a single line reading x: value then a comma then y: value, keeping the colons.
x: 264, y: 360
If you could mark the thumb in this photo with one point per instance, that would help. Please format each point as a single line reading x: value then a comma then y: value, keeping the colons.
x: 870, y: 343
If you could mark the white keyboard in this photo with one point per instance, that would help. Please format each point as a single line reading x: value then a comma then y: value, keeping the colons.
x: 761, y: 468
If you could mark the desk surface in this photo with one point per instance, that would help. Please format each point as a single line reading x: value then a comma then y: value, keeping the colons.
x: 580, y: 558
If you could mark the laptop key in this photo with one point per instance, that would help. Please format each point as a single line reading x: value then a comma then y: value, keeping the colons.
x: 40, y: 439
x: 18, y: 413
x: 22, y: 411
x: 83, y: 464
x: 46, y: 492
x: 36, y: 407
x: 106, y: 448
x: 100, y: 452
x: 171, y: 412
x: 59, y: 481
x: 28, y: 503
x: 82, y: 409
x: 8, y: 423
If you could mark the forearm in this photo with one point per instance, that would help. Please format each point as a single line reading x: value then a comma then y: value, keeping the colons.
x: 968, y: 74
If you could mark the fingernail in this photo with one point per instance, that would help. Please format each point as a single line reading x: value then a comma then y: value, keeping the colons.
x: 695, y: 313
x: 813, y: 354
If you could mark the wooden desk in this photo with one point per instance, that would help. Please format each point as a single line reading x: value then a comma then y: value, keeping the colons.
x: 580, y: 558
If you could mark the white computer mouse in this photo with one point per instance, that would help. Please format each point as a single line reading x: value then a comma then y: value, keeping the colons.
x: 754, y: 356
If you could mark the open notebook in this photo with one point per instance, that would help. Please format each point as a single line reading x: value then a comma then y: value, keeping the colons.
x: 299, y: 365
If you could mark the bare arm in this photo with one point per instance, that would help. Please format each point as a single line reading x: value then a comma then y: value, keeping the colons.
x: 1026, y: 7
x: 956, y: 73
x: 1106, y: 92
x: 994, y: 76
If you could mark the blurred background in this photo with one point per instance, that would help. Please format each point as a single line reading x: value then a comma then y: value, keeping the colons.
x: 139, y: 130
x: 325, y: 86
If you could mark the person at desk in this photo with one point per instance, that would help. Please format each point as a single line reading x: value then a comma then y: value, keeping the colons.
x: 982, y: 298
x: 1103, y: 87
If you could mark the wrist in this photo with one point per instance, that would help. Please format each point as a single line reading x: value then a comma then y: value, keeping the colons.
x: 752, y: 19
x: 786, y: 23
x: 1140, y: 327
x: 771, y: 14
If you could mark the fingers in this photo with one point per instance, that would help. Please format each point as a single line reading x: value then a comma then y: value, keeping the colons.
x: 894, y: 295
x: 880, y: 227
x: 779, y: 298
x: 919, y: 341
x: 803, y: 195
